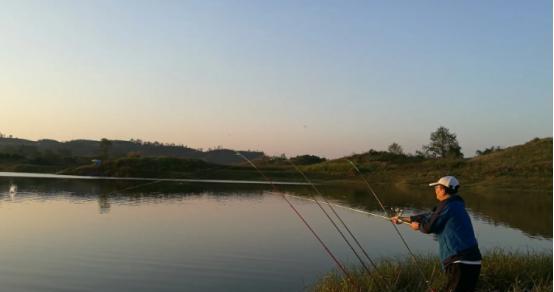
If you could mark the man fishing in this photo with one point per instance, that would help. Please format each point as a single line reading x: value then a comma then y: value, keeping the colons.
x: 450, y: 221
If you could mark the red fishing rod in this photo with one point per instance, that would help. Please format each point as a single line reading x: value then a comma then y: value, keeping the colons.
x: 325, y: 247
x: 344, y: 225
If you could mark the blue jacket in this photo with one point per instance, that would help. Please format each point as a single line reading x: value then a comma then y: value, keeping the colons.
x: 452, y: 225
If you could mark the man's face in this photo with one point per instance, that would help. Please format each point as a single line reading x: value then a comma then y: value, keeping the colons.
x: 440, y: 192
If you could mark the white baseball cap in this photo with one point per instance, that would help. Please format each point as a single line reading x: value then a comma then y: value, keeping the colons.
x: 447, y: 181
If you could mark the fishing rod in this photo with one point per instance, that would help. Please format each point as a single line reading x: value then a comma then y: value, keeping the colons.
x: 325, y: 247
x: 343, y: 224
x: 427, y: 282
x: 349, y: 208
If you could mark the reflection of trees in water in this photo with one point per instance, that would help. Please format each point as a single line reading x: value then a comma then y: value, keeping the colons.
x: 526, y: 211
x: 530, y: 212
x: 110, y: 192
x: 104, y: 204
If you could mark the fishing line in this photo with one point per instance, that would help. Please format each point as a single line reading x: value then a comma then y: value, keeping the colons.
x: 275, y: 190
x: 394, y: 225
x: 134, y: 187
x: 349, y: 208
x: 343, y: 224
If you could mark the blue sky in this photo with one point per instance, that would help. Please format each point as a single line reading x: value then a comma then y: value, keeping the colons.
x: 319, y: 77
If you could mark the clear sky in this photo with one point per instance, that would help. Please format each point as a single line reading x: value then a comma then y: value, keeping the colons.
x: 320, y: 77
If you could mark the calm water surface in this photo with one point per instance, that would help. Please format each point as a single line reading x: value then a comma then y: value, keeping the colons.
x: 72, y: 235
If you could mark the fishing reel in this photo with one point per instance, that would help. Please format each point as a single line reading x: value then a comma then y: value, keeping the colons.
x: 396, y: 212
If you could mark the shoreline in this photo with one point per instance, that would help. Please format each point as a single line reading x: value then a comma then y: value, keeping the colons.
x: 501, y: 270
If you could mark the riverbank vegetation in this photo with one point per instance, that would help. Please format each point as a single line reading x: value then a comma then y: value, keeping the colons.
x: 501, y: 271
x: 518, y: 167
x: 511, y: 168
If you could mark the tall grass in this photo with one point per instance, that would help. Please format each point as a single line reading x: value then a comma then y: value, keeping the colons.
x: 501, y: 271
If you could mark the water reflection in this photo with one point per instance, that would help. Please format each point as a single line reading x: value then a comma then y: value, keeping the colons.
x: 119, y: 236
x: 529, y: 212
x: 104, y: 204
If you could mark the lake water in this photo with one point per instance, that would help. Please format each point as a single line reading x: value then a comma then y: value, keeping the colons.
x: 83, y: 235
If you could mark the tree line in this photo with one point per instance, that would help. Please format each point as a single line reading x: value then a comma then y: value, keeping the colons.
x: 443, y: 144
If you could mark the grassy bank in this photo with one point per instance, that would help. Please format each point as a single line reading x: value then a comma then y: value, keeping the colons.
x: 526, y: 166
x: 501, y: 271
x: 522, y: 167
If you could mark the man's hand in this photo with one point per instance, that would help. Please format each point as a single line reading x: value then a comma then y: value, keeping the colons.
x: 415, y: 225
x: 396, y: 220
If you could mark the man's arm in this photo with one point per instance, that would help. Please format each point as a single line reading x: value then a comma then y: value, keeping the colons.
x: 413, y: 220
x: 420, y: 217
x: 435, y: 223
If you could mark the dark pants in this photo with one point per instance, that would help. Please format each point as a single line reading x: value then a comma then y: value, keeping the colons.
x: 462, y: 277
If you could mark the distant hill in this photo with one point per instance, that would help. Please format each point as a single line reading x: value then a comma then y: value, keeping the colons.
x: 527, y: 166
x: 118, y: 148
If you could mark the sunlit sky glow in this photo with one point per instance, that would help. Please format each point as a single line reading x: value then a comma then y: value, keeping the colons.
x: 326, y: 78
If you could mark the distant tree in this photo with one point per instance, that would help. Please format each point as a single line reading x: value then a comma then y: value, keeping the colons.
x: 395, y: 148
x: 49, y: 157
x: 421, y: 154
x: 443, y: 145
x: 105, y: 146
x: 64, y: 152
x: 29, y: 151
x: 307, y: 159
x: 134, y: 154
x: 488, y: 150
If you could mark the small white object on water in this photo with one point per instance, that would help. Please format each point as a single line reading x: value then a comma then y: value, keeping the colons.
x: 13, y: 191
